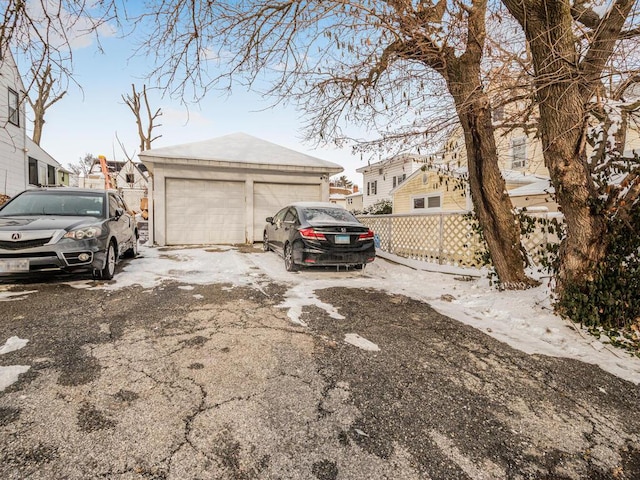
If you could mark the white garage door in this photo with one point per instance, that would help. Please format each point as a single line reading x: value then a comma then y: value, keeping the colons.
x: 268, y: 198
x: 205, y: 212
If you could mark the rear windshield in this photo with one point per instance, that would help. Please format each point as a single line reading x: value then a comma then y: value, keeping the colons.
x: 55, y: 203
x: 328, y: 215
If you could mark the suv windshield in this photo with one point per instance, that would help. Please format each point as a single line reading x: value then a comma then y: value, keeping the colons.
x: 55, y: 203
x: 328, y: 215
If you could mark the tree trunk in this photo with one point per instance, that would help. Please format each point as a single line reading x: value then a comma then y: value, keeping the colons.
x: 562, y: 99
x: 38, y: 122
x: 491, y: 202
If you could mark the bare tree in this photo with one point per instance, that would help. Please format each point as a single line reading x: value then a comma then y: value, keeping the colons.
x: 84, y: 164
x: 43, y: 98
x: 573, y: 50
x: 377, y: 63
x: 138, y: 103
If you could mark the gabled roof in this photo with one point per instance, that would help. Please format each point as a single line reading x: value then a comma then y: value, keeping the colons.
x: 238, y: 148
x: 36, y: 151
x: 413, y: 157
x: 511, y: 176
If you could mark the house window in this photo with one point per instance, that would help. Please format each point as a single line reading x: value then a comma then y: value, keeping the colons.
x: 397, y: 180
x: 51, y: 175
x: 130, y: 178
x: 33, y: 171
x: 14, y: 110
x: 374, y: 187
x: 427, y: 202
x: 498, y: 114
x: 519, y: 152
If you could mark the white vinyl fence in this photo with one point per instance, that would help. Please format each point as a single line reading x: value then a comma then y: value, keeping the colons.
x: 446, y: 238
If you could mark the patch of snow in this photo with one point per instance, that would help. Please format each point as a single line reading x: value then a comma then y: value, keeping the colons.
x: 361, y: 342
x: 9, y: 296
x: 186, y: 287
x: 12, y: 344
x: 9, y: 375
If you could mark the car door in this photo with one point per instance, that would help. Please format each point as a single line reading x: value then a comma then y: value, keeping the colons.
x: 289, y: 225
x: 119, y: 222
x: 276, y: 237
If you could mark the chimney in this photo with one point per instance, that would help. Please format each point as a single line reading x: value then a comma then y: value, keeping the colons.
x: 355, y: 188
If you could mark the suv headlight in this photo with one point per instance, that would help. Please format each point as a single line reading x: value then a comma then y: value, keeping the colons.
x: 83, y: 233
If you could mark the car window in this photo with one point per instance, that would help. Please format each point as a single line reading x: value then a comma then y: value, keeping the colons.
x: 280, y: 215
x: 290, y: 216
x: 327, y: 215
x: 113, y: 205
x: 54, y: 203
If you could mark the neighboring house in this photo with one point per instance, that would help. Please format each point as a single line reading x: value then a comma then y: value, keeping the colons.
x: 129, y: 178
x: 381, y: 177
x: 339, y: 194
x: 436, y: 190
x: 517, y: 151
x: 220, y: 191
x: 44, y: 170
x: 22, y: 162
x: 354, y: 202
x: 13, y: 134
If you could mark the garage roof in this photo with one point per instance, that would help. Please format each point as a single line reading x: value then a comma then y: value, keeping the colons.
x: 238, y: 148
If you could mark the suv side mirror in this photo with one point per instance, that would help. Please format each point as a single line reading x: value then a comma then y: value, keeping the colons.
x: 270, y: 220
x: 119, y: 213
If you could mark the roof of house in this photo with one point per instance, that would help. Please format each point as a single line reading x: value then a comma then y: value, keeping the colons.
x: 540, y: 187
x: 36, y: 151
x: 511, y: 176
x: 239, y: 148
x: 387, y: 161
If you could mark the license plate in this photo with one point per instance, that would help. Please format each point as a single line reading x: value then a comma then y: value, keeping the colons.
x: 343, y: 239
x: 12, y: 266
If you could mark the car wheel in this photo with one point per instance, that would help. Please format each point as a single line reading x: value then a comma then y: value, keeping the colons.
x: 133, y: 251
x: 288, y: 258
x: 265, y: 243
x: 109, y: 266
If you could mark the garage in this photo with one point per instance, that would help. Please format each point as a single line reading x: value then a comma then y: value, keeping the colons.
x: 212, y: 213
x: 220, y: 191
x: 268, y: 198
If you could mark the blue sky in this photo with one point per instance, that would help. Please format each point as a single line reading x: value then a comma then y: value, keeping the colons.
x: 87, y: 120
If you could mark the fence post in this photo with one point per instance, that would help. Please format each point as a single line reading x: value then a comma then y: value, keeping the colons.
x: 390, y: 229
x: 440, y: 243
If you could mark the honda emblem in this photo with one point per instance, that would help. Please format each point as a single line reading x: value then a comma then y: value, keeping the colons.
x: 16, y: 236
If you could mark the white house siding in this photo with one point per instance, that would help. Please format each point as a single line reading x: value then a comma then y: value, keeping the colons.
x: 383, y: 173
x: 13, y: 158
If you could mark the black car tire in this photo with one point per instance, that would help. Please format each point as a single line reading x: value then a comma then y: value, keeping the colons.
x: 289, y: 265
x: 265, y: 243
x: 109, y: 265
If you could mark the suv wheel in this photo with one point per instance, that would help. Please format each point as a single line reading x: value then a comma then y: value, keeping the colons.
x: 109, y: 266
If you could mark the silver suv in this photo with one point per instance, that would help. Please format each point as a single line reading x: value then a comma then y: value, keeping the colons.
x: 66, y: 229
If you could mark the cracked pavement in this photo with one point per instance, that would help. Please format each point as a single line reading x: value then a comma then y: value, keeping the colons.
x: 217, y: 382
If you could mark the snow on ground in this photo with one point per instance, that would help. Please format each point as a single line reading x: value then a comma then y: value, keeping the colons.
x: 9, y: 375
x: 522, y: 319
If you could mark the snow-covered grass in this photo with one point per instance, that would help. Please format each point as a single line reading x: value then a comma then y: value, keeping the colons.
x: 521, y: 319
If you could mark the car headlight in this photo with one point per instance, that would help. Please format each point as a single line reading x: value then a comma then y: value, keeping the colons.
x: 83, y: 233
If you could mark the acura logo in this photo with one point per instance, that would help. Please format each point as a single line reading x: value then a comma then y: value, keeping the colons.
x: 16, y: 236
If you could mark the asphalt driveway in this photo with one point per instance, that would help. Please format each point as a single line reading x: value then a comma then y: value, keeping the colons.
x: 221, y: 365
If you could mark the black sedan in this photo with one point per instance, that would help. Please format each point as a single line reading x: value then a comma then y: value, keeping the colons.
x: 66, y: 229
x: 325, y: 234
